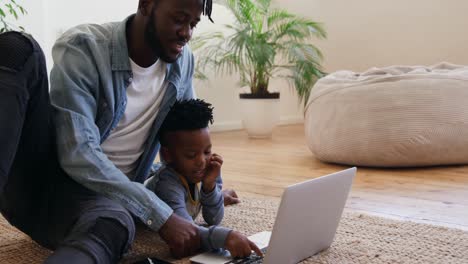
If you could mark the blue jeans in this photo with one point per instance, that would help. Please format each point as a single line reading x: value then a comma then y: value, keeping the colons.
x: 36, y: 195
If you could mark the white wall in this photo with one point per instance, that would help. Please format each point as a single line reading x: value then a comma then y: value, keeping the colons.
x: 34, y: 21
x: 368, y: 33
x: 59, y: 15
x: 362, y: 34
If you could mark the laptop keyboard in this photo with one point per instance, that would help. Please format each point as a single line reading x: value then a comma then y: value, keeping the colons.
x: 252, y: 259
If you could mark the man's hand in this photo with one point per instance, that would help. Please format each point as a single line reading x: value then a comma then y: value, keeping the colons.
x: 181, y: 236
x: 213, y: 170
x: 240, y: 246
x: 230, y: 197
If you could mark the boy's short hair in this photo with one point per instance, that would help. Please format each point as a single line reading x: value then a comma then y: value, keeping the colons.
x: 186, y: 115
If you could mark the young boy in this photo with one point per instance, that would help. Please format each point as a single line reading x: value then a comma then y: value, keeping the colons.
x: 189, y: 180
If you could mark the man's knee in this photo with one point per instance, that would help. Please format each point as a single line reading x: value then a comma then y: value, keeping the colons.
x: 15, y: 49
x: 23, y: 71
x: 115, y: 235
x: 106, y: 238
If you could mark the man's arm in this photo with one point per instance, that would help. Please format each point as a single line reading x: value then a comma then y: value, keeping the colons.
x: 190, y: 92
x: 74, y: 82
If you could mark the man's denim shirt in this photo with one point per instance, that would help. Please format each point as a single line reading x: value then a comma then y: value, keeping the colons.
x: 88, y: 92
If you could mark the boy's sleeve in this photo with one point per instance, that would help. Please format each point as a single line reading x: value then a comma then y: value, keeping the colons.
x: 213, y: 237
x: 172, y: 192
x: 213, y: 205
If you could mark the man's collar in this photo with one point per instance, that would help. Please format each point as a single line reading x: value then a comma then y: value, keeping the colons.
x: 119, y: 48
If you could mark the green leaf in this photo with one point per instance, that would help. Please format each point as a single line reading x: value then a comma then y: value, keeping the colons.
x: 277, y: 16
x: 263, y: 43
x: 5, y: 25
x: 11, y: 10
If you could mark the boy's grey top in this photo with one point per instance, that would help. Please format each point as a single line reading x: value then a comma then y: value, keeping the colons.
x: 173, y: 189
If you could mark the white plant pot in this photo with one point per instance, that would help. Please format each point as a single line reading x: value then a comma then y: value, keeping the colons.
x: 260, y: 116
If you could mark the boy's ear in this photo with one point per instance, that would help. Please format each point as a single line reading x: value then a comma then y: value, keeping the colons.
x: 165, y: 155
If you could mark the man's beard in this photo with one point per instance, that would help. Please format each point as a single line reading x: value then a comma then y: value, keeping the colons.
x: 153, y: 40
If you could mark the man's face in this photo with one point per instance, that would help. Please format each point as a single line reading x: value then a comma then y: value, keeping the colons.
x: 171, y: 25
x: 189, y: 153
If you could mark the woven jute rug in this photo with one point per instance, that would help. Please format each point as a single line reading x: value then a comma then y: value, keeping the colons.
x: 359, y: 239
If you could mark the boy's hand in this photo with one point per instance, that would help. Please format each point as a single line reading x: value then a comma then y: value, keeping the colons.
x: 240, y: 246
x: 213, y: 170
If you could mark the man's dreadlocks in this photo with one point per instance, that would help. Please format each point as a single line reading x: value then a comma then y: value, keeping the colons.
x: 207, y: 8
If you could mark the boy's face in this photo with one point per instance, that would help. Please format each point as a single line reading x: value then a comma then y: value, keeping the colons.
x: 188, y: 152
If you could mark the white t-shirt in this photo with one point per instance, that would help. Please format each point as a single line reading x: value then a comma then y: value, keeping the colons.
x: 126, y: 142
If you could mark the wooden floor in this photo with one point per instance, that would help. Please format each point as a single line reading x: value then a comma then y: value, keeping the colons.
x: 436, y: 195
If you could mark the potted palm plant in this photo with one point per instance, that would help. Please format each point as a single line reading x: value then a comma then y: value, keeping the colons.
x: 9, y: 10
x: 263, y: 43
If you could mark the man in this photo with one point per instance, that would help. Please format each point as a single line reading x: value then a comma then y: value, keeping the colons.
x: 111, y: 87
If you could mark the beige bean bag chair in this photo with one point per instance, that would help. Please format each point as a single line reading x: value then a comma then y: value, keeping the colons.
x: 390, y: 117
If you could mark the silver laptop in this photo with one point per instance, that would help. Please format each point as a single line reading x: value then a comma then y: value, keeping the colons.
x: 305, y: 224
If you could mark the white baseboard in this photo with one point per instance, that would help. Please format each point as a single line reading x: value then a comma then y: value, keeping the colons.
x: 291, y: 120
x: 237, y: 125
